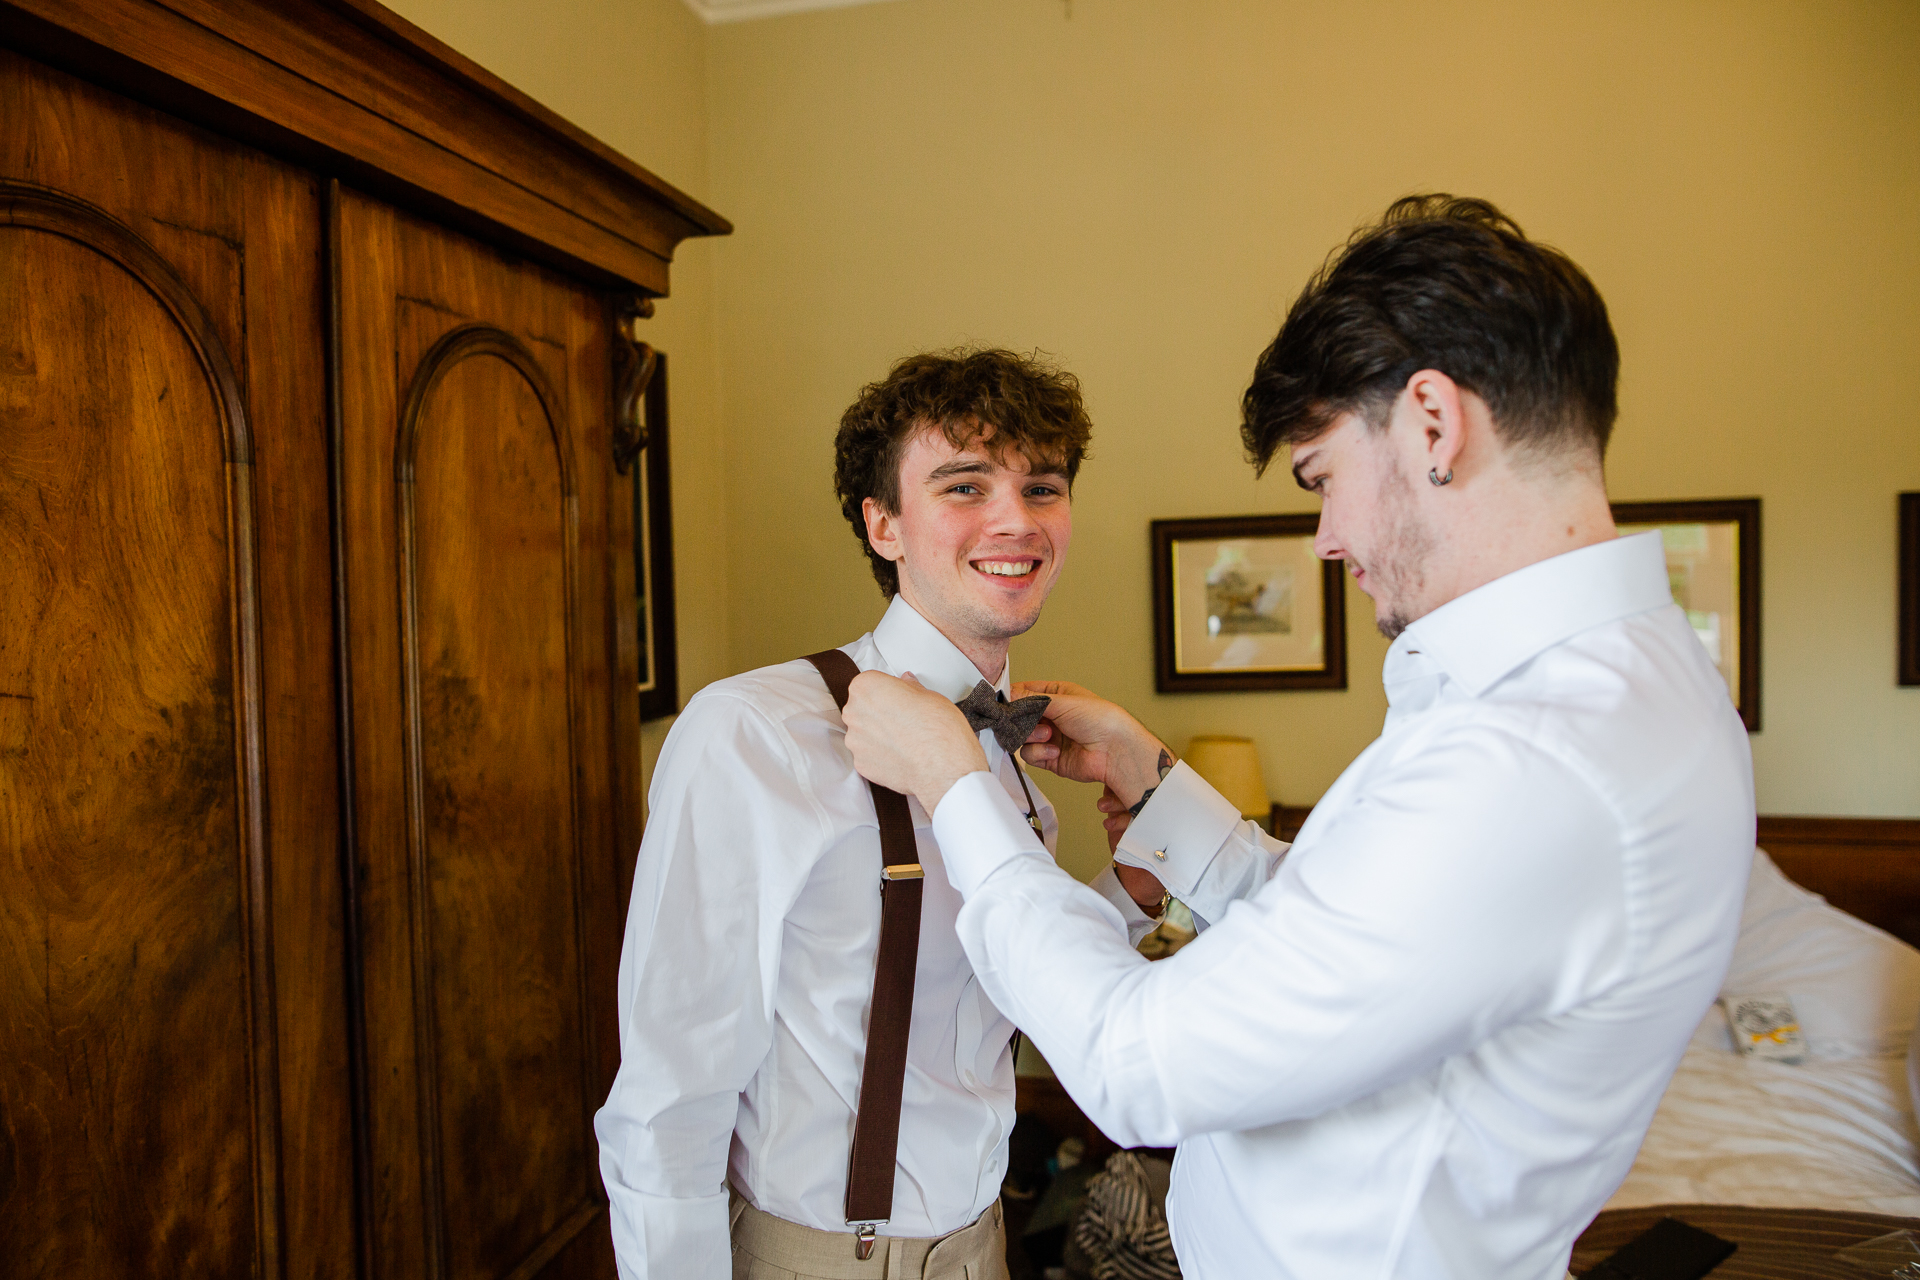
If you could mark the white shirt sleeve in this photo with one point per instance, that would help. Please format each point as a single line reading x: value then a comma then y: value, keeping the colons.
x: 1196, y: 842
x: 697, y: 977
x: 1139, y: 923
x: 1476, y: 885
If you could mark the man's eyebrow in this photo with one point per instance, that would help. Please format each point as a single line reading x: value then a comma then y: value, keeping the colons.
x: 980, y: 466
x: 1300, y: 462
x: 960, y: 467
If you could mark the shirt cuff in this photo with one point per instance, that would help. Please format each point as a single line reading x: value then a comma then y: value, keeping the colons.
x: 1177, y: 834
x: 1139, y: 923
x: 978, y: 828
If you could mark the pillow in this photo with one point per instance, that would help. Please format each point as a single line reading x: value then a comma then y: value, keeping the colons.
x: 1856, y: 990
x: 1913, y: 1070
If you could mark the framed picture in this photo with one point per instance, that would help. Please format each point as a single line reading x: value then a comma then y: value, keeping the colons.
x: 1241, y: 602
x: 653, y: 557
x: 1713, y: 565
x: 1909, y: 641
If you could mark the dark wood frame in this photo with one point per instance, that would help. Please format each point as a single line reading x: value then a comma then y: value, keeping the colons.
x: 351, y: 90
x: 1744, y: 513
x: 1333, y: 602
x: 1909, y: 632
x: 653, y: 558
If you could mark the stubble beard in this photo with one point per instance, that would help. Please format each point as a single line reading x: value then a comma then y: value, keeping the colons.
x: 988, y: 624
x: 1400, y: 563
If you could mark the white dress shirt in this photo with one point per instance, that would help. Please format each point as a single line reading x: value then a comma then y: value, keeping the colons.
x: 1426, y: 1041
x: 748, y: 971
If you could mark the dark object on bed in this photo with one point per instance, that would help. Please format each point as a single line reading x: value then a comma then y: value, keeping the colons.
x: 1775, y: 1244
x: 1668, y: 1250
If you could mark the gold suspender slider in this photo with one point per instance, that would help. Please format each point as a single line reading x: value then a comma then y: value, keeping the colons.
x: 903, y: 871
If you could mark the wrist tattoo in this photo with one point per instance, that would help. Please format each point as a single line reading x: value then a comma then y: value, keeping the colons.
x: 1166, y: 767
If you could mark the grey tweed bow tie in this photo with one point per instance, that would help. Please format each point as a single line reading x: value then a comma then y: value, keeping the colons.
x: 1011, y: 722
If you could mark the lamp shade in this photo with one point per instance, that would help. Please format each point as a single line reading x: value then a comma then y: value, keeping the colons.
x: 1232, y: 767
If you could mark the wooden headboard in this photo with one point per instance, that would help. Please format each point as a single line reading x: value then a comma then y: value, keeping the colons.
x: 1867, y: 867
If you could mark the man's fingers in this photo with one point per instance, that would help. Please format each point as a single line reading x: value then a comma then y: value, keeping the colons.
x: 1048, y: 688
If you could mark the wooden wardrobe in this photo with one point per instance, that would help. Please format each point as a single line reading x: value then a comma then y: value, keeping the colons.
x: 318, y: 723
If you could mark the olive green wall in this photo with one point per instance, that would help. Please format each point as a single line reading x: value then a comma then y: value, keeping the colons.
x: 1140, y: 186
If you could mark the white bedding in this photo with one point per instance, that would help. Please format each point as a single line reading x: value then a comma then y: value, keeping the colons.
x: 1834, y: 1132
x: 1819, y: 1135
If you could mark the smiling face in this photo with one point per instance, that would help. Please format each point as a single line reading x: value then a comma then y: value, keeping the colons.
x: 978, y: 539
x: 1370, y: 517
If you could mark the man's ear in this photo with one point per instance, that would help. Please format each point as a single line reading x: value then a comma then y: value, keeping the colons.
x: 1438, y: 411
x: 883, y: 530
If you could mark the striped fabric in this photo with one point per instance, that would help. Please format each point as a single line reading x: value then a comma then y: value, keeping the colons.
x: 1121, y: 1232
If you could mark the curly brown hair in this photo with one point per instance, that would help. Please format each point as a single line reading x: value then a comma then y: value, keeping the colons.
x: 1025, y: 404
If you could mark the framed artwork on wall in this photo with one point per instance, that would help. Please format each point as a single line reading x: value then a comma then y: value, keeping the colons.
x: 1713, y: 566
x: 1909, y: 637
x: 653, y: 556
x: 1242, y: 603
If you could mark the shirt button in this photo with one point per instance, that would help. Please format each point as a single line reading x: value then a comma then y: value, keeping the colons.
x: 1160, y: 854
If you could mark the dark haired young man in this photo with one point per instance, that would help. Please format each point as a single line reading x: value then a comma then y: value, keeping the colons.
x: 1426, y: 1040
x: 749, y: 965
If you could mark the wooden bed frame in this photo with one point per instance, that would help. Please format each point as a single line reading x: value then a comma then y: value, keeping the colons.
x: 1867, y: 867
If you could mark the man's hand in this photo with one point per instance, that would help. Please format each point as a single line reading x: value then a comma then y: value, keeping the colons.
x: 1117, y: 820
x: 1142, y: 886
x: 1088, y: 739
x: 907, y: 739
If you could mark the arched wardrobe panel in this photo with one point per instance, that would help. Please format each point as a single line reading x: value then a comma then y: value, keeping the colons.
x: 141, y: 1081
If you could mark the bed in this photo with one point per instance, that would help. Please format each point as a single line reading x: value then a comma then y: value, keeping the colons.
x: 1796, y: 1161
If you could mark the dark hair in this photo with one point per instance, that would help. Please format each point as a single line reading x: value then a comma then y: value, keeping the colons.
x: 1441, y: 283
x: 1029, y: 405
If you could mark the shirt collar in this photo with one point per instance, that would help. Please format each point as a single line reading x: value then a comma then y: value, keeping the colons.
x: 908, y: 642
x: 1478, y: 638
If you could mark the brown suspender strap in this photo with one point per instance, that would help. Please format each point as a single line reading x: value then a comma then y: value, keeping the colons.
x: 876, y: 1124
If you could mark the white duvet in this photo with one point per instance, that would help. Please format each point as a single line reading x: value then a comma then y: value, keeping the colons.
x: 1820, y: 1135
x: 1834, y: 1132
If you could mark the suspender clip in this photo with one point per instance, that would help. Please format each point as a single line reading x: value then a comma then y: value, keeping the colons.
x: 863, y: 1240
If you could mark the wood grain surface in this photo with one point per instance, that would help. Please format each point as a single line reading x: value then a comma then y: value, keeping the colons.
x: 476, y: 571
x: 350, y: 90
x: 1867, y: 867
x: 1774, y: 1244
x: 140, y: 1087
x: 318, y: 720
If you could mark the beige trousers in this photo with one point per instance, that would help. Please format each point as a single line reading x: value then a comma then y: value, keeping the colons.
x: 770, y: 1248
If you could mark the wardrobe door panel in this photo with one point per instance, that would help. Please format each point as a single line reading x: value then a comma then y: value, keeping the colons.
x: 167, y: 761
x: 139, y: 1084
x: 475, y: 660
